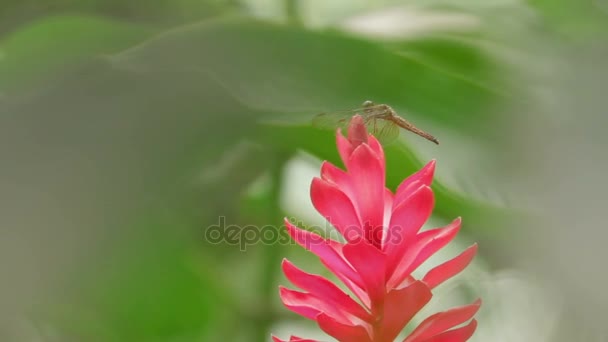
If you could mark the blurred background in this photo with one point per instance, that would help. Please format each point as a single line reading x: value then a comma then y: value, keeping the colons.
x: 130, y: 130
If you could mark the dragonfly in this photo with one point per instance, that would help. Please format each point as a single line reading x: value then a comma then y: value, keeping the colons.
x: 380, y: 119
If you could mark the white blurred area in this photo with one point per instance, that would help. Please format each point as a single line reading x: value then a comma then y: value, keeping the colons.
x: 388, y: 17
x: 568, y: 163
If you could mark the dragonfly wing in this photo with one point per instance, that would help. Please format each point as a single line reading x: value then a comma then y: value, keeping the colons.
x: 341, y: 118
x: 385, y: 131
x: 332, y: 120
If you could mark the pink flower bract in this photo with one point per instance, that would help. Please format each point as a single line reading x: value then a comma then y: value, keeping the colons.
x: 383, y: 247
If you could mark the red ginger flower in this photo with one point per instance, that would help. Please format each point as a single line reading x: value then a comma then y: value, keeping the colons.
x: 383, y: 247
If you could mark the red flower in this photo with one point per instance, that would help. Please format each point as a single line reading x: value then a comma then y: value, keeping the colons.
x: 383, y: 247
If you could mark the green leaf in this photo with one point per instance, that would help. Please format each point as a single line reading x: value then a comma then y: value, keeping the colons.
x: 147, y: 286
x: 283, y: 70
x: 574, y: 19
x: 46, y: 47
x: 299, y: 72
x: 455, y: 56
x: 129, y: 147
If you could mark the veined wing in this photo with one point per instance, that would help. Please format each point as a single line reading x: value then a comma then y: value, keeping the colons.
x: 333, y: 120
x: 385, y: 131
x: 341, y: 118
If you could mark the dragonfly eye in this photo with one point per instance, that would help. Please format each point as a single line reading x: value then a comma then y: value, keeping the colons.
x: 368, y: 103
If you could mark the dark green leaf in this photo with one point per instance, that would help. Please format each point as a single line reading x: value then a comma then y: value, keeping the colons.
x: 291, y: 70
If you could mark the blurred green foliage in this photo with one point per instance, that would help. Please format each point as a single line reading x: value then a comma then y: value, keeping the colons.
x: 161, y: 12
x: 51, y: 45
x: 169, y: 125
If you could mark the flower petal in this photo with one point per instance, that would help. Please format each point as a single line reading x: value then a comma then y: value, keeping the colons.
x: 455, y: 335
x: 337, y: 208
x: 357, y: 133
x: 450, y: 268
x: 377, y: 148
x: 337, y: 176
x: 369, y: 263
x: 299, y: 302
x: 442, y: 321
x: 424, y: 176
x: 345, y: 148
x: 434, y: 241
x: 401, y: 305
x: 325, y: 251
x: 342, y: 332
x: 406, y: 220
x: 309, y: 305
x: 427, y: 243
x: 358, y: 291
x: 324, y: 290
x: 388, y: 212
x: 356, y: 288
x: 368, y: 179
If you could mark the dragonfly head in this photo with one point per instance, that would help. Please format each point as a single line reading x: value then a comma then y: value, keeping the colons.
x: 367, y: 104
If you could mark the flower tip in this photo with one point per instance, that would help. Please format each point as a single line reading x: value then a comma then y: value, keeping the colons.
x: 430, y: 167
x: 472, y: 250
x: 314, y: 182
x: 287, y: 223
x: 357, y: 120
x: 357, y: 133
x: 452, y: 228
x: 477, y: 303
x: 292, y: 230
x: 329, y: 171
x: 288, y: 268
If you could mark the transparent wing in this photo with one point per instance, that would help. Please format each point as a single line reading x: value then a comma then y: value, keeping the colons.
x: 385, y: 131
x: 332, y: 120
x: 341, y: 118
